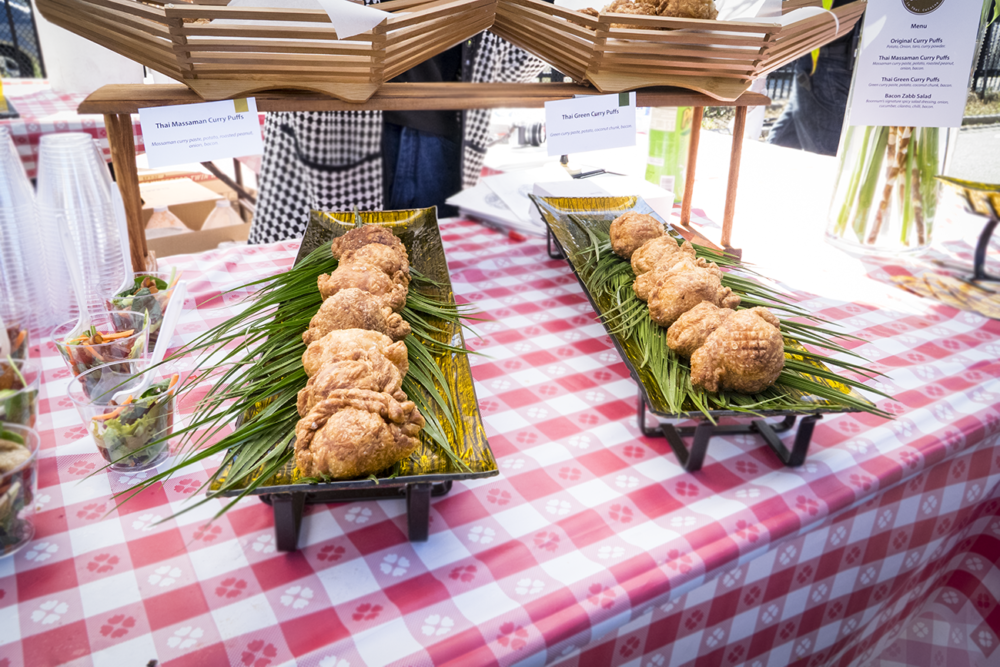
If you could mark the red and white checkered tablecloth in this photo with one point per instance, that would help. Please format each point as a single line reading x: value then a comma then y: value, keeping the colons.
x: 44, y: 112
x: 592, y: 547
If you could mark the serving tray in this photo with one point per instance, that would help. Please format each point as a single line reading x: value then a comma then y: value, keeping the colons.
x: 571, y: 239
x: 618, y: 52
x: 428, y: 472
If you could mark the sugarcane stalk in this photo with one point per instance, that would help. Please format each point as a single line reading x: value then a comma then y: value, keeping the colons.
x: 891, y: 174
x: 907, y: 194
x: 869, y: 183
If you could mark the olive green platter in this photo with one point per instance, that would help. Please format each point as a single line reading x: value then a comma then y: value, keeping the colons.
x: 429, y: 471
x: 568, y: 221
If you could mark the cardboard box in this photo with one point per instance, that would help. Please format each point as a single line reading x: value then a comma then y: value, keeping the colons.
x: 191, y: 202
x: 186, y: 199
x: 207, y: 239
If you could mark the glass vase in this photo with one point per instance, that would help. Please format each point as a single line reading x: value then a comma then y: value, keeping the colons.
x: 886, y: 194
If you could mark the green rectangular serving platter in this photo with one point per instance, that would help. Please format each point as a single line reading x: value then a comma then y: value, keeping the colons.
x: 598, y: 213
x: 419, y: 232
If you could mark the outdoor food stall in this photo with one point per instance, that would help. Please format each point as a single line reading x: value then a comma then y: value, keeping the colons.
x: 405, y: 440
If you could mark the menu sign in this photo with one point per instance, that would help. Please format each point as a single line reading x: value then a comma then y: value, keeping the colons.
x: 914, y: 62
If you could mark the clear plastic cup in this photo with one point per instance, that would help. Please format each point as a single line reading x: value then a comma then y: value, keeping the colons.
x: 22, y: 280
x: 17, y: 322
x: 74, y: 201
x: 19, y: 384
x: 83, y: 354
x: 131, y: 433
x: 151, y: 293
x: 18, y: 485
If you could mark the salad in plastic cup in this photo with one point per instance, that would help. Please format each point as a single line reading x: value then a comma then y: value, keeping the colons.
x: 17, y: 334
x: 115, y: 336
x: 19, y: 381
x: 150, y: 293
x: 18, y: 484
x: 130, y: 420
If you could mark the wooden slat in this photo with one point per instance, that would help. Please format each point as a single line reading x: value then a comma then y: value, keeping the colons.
x: 400, y: 61
x: 255, y: 60
x: 444, y: 11
x: 612, y: 67
x: 129, y: 7
x: 667, y: 50
x: 551, y: 54
x: 186, y: 11
x: 577, y: 48
x: 479, y: 9
x: 267, y: 32
x: 587, y: 20
x: 684, y: 37
x: 710, y: 67
x: 663, y: 22
x: 125, y: 99
x: 534, y: 16
x: 153, y: 27
x: 282, y: 46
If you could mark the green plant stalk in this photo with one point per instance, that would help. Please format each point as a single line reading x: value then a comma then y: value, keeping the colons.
x: 852, y: 188
x: 928, y: 166
x: 869, y: 183
x: 906, y: 198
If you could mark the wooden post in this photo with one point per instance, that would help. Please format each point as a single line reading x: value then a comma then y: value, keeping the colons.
x: 692, y: 164
x: 734, y: 176
x: 119, y: 127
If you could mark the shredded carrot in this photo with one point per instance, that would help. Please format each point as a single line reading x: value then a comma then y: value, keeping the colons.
x: 114, y: 413
x: 116, y: 336
x: 173, y: 381
x: 20, y: 339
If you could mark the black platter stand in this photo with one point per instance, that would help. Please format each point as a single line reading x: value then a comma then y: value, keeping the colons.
x: 288, y: 501
x: 692, y: 459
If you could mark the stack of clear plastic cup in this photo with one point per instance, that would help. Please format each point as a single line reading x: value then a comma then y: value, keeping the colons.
x: 18, y: 320
x: 23, y: 279
x: 74, y: 199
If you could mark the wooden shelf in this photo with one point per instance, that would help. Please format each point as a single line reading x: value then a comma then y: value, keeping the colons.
x: 118, y: 102
x: 120, y: 99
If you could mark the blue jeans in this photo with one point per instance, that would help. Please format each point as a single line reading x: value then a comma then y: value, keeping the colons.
x: 814, y: 116
x: 419, y: 170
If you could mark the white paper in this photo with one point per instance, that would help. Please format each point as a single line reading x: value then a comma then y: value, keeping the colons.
x: 513, y: 187
x: 200, y: 132
x: 590, y: 123
x: 743, y: 10
x: 483, y: 204
x: 913, y: 68
x: 348, y: 18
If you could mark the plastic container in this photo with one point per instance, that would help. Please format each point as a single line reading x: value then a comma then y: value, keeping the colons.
x: 83, y: 355
x: 222, y: 215
x: 18, y: 485
x: 17, y: 319
x: 24, y: 274
x: 74, y: 199
x: 19, y: 384
x: 134, y: 434
x: 669, y: 137
x: 164, y: 223
x: 150, y: 294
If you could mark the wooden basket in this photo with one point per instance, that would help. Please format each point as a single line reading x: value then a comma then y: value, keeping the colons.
x: 719, y: 59
x: 222, y: 52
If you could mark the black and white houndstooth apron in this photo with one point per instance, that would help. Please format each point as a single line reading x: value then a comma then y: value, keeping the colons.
x: 332, y: 160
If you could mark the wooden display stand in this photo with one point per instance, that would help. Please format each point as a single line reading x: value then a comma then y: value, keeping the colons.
x: 118, y: 102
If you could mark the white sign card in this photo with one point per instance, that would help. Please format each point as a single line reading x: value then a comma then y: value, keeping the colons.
x: 201, y: 132
x: 914, y: 61
x: 590, y: 123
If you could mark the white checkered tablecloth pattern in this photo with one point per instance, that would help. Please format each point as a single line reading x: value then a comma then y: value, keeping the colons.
x: 592, y: 547
x: 44, y: 112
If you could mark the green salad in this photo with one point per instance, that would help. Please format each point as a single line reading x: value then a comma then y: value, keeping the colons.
x: 18, y: 403
x: 15, y: 490
x: 148, y: 294
x: 135, y: 433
